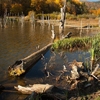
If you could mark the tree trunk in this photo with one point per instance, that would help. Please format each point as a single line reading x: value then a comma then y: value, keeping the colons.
x: 2, y: 15
x: 62, y: 21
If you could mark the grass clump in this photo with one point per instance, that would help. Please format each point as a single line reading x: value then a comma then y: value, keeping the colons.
x: 71, y: 44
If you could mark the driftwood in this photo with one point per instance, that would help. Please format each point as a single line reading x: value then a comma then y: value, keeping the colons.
x: 55, y: 94
x: 37, y: 88
x: 96, y: 68
x: 43, y: 91
x: 68, y: 35
x: 94, y: 71
x: 74, y: 72
x: 76, y: 67
x: 23, y: 65
x: 62, y: 21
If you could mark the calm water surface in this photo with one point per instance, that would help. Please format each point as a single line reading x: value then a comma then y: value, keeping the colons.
x: 18, y: 41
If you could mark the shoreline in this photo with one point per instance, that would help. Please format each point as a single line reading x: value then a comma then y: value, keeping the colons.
x: 80, y: 23
x: 84, y: 23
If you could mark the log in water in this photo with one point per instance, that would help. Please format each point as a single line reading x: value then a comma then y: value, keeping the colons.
x: 23, y: 65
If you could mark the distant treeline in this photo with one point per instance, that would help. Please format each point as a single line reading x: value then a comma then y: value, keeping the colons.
x: 19, y: 7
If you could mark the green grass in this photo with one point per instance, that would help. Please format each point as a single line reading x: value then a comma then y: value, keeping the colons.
x: 72, y: 43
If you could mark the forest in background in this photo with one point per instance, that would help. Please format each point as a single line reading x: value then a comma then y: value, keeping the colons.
x: 75, y: 7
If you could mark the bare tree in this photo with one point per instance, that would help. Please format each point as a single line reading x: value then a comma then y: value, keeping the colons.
x: 62, y: 20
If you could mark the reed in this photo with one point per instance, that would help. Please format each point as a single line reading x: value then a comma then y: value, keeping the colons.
x: 94, y: 50
x: 92, y: 60
x: 71, y: 44
x: 92, y: 53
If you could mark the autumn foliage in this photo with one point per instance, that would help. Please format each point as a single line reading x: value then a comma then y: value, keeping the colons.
x: 48, y: 6
x: 16, y: 8
x: 93, y: 8
x: 95, y: 12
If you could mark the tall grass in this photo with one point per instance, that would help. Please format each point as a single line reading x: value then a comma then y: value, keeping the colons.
x: 72, y: 43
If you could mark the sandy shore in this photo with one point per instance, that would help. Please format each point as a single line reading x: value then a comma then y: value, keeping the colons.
x: 74, y: 23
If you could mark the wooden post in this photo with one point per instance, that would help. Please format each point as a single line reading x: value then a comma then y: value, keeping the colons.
x: 62, y: 20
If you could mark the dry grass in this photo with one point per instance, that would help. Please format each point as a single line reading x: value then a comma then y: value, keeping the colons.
x: 85, y: 22
x: 75, y: 23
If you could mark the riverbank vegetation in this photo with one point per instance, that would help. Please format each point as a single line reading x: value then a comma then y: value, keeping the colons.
x: 56, y: 16
x: 79, y: 43
x: 71, y: 44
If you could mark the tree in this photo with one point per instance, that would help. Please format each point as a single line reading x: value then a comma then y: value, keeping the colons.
x: 16, y: 8
x: 76, y: 7
x: 38, y: 5
x: 3, y: 6
x: 46, y: 6
x: 25, y: 5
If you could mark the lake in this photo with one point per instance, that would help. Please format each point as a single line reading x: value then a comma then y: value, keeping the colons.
x: 18, y: 41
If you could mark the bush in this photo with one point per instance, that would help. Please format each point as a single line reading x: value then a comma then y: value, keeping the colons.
x: 16, y: 9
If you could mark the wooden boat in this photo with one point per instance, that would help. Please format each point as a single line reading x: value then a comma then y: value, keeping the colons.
x: 22, y: 66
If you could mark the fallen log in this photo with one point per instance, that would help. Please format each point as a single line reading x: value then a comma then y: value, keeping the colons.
x: 38, y: 88
x: 45, y: 91
x: 23, y: 65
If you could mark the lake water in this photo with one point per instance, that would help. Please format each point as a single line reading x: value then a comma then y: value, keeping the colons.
x: 18, y: 41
